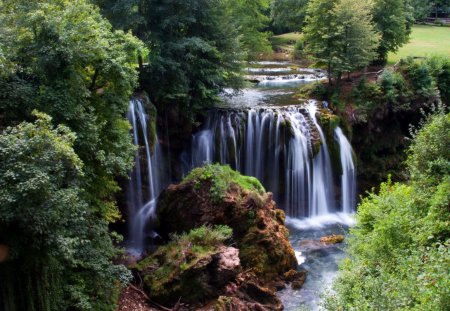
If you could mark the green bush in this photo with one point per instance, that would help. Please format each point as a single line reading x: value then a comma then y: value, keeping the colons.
x: 395, y: 90
x: 299, y: 49
x: 398, y: 253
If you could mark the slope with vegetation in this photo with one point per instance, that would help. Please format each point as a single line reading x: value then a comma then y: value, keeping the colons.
x: 399, y: 255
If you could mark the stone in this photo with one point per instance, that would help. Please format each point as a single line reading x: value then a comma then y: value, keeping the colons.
x: 257, y: 223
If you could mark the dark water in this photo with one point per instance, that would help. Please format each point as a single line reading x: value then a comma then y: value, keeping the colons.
x: 320, y: 261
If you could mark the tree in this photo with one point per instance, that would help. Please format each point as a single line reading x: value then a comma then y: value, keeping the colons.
x: 64, y: 59
x: 393, y: 20
x: 195, y: 53
x: 60, y: 250
x: 321, y: 34
x: 289, y: 15
x: 358, y: 36
x: 250, y: 18
x: 421, y: 8
x: 340, y: 34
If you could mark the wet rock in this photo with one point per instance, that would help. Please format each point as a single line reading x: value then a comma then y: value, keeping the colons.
x: 297, y: 278
x: 332, y: 239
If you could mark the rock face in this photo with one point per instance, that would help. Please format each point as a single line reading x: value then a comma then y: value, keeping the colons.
x: 217, y: 195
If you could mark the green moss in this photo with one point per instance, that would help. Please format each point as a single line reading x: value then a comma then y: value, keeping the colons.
x: 166, y: 273
x: 220, y: 178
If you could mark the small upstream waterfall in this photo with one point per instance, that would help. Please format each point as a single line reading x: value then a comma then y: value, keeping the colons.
x: 145, y: 182
x: 348, y: 179
x: 275, y: 145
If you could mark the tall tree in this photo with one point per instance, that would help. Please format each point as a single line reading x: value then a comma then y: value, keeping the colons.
x: 321, y: 33
x: 340, y: 34
x: 195, y: 52
x: 359, y: 40
x: 394, y: 19
x: 289, y: 15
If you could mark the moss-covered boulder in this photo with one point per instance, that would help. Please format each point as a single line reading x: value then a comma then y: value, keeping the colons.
x: 195, y: 266
x: 217, y: 195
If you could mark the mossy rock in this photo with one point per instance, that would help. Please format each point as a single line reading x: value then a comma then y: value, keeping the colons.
x: 190, y: 266
x: 217, y: 195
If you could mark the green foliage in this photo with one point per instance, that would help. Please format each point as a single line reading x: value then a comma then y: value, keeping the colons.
x: 164, y: 270
x: 195, y: 53
x: 421, y: 8
x: 440, y: 70
x: 429, y: 156
x: 399, y: 250
x: 395, y: 90
x: 288, y: 15
x: 393, y: 20
x: 220, y: 178
x: 340, y: 34
x: 60, y: 250
x: 249, y: 17
x: 421, y: 79
x: 64, y: 60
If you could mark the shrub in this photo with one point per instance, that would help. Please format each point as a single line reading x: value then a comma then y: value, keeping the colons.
x: 399, y: 249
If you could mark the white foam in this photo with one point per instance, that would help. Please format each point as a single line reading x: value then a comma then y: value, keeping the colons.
x: 300, y: 258
x: 321, y: 221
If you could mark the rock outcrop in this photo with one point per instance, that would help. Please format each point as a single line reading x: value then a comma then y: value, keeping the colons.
x: 217, y: 195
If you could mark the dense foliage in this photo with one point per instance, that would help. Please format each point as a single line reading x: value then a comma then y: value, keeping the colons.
x: 59, y: 249
x: 62, y: 58
x: 393, y: 20
x: 288, y: 15
x: 399, y: 250
x: 340, y: 34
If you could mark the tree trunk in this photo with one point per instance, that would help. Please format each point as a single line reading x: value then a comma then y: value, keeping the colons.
x: 140, y: 62
x: 329, y: 73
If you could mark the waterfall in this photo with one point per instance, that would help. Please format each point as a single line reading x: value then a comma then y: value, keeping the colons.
x: 275, y: 145
x: 322, y: 184
x: 145, y: 182
x: 348, y: 178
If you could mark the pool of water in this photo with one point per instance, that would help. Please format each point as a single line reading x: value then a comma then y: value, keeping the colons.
x: 321, y: 261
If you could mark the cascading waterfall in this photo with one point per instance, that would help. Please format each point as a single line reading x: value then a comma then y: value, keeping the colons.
x: 348, y: 178
x: 322, y: 183
x: 276, y: 146
x: 145, y: 182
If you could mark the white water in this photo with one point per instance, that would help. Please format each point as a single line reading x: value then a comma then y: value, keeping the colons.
x: 348, y: 179
x: 322, y: 183
x: 145, y: 182
x: 274, y: 145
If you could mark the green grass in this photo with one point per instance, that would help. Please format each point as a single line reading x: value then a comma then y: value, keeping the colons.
x: 286, y: 41
x: 425, y: 41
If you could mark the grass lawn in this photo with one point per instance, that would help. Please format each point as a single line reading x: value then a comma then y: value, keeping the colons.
x: 424, y: 41
x: 286, y: 41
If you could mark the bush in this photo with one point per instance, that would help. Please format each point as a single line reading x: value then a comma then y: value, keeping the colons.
x: 299, y: 49
x: 399, y: 249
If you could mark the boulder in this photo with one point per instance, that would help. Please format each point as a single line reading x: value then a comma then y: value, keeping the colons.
x: 192, y: 267
x: 217, y: 195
